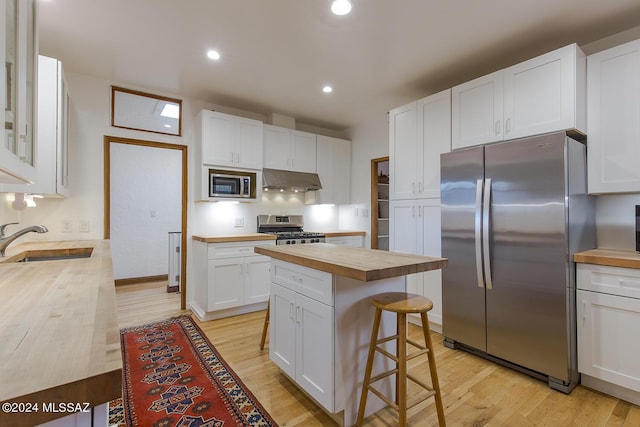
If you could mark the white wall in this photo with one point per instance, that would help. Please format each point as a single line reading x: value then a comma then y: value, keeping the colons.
x: 146, y: 204
x: 370, y: 140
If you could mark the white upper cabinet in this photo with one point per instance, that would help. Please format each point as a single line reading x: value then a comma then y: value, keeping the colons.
x: 334, y: 170
x: 289, y: 149
x: 477, y: 110
x: 18, y: 38
x: 613, y: 111
x: 52, y: 155
x: 543, y: 94
x: 230, y: 141
x: 418, y: 133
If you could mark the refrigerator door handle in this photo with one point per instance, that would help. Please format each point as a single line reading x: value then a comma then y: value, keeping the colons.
x: 478, y: 235
x: 486, y: 211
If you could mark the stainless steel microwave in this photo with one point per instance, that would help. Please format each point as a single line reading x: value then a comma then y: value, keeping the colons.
x: 230, y: 184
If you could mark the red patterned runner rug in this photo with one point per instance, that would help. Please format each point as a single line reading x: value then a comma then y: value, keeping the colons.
x: 173, y: 376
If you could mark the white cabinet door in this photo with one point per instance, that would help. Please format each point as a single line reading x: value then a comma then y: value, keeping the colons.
x: 248, y: 144
x: 434, y: 138
x: 276, y: 147
x: 334, y: 170
x: 342, y: 172
x: 218, y: 144
x: 613, y: 110
x: 18, y: 56
x: 429, y: 243
x: 314, y: 350
x: 230, y: 141
x: 415, y: 229
x: 477, y: 111
x: 257, y: 280
x: 289, y: 149
x: 303, y: 151
x: 540, y: 94
x: 608, y: 344
x: 403, y: 163
x: 226, y: 278
x: 52, y: 155
x: 282, y: 329
x: 403, y: 226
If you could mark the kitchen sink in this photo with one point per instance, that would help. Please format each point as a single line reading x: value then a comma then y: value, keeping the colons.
x: 52, y: 255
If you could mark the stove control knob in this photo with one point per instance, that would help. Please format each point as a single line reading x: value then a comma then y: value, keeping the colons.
x: 288, y: 242
x: 303, y: 241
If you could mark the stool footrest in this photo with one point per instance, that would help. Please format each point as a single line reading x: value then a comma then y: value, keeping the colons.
x: 417, y: 353
x: 388, y: 401
x: 387, y: 354
x: 419, y: 399
x: 420, y: 383
x: 415, y: 344
x: 383, y: 375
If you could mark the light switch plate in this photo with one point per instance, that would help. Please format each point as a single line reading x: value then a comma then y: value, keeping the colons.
x: 67, y: 226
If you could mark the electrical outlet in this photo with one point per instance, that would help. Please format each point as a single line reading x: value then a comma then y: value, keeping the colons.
x: 85, y: 226
x: 365, y: 212
x: 67, y: 226
x: 238, y: 222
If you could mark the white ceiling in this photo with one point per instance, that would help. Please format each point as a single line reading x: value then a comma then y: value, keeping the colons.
x: 277, y: 54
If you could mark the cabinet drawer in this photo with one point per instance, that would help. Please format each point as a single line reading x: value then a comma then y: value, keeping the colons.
x: 609, y: 280
x: 314, y: 284
x: 230, y: 250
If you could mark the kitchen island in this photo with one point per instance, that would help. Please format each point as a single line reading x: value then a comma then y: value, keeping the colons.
x: 321, y: 317
x: 60, y: 353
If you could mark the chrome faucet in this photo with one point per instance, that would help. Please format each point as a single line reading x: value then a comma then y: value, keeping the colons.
x: 7, y: 240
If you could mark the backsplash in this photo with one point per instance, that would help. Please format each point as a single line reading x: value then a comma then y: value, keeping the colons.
x: 240, y: 218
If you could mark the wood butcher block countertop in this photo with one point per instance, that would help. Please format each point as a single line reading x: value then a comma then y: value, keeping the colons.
x: 343, y: 233
x: 235, y: 238
x: 357, y: 263
x: 610, y: 257
x: 59, y: 334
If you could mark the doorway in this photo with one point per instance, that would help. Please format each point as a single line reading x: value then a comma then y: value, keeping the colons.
x: 380, y: 203
x: 145, y: 193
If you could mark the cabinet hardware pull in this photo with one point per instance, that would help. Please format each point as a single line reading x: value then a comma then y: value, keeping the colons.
x: 290, y: 310
x: 297, y: 314
x: 497, y: 127
x: 508, y: 126
x: 413, y: 187
x: 22, y: 147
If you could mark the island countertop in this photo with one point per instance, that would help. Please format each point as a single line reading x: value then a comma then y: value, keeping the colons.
x: 59, y: 329
x: 357, y: 263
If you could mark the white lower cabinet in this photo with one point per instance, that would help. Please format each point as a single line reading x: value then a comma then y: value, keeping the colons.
x: 302, y: 342
x: 230, y: 279
x: 608, y: 319
x: 414, y: 228
x: 301, y: 334
x: 355, y: 241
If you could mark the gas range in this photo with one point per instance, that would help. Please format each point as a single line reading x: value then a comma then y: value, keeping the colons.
x: 288, y: 229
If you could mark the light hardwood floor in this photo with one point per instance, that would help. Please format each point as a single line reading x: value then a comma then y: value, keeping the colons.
x: 476, y: 392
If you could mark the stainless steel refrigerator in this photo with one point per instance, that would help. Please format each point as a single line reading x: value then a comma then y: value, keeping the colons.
x: 513, y: 215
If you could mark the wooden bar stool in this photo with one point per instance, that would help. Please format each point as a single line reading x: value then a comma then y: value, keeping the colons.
x: 265, y: 327
x: 402, y: 304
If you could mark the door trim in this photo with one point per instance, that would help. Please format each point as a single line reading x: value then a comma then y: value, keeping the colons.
x: 108, y: 140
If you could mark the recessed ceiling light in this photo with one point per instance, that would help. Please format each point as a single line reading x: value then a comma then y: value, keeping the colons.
x: 213, y: 54
x: 327, y: 89
x: 341, y: 7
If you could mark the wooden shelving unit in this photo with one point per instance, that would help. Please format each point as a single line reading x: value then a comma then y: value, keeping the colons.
x: 380, y: 203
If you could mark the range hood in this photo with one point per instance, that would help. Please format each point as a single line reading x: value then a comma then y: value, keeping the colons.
x: 278, y: 179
